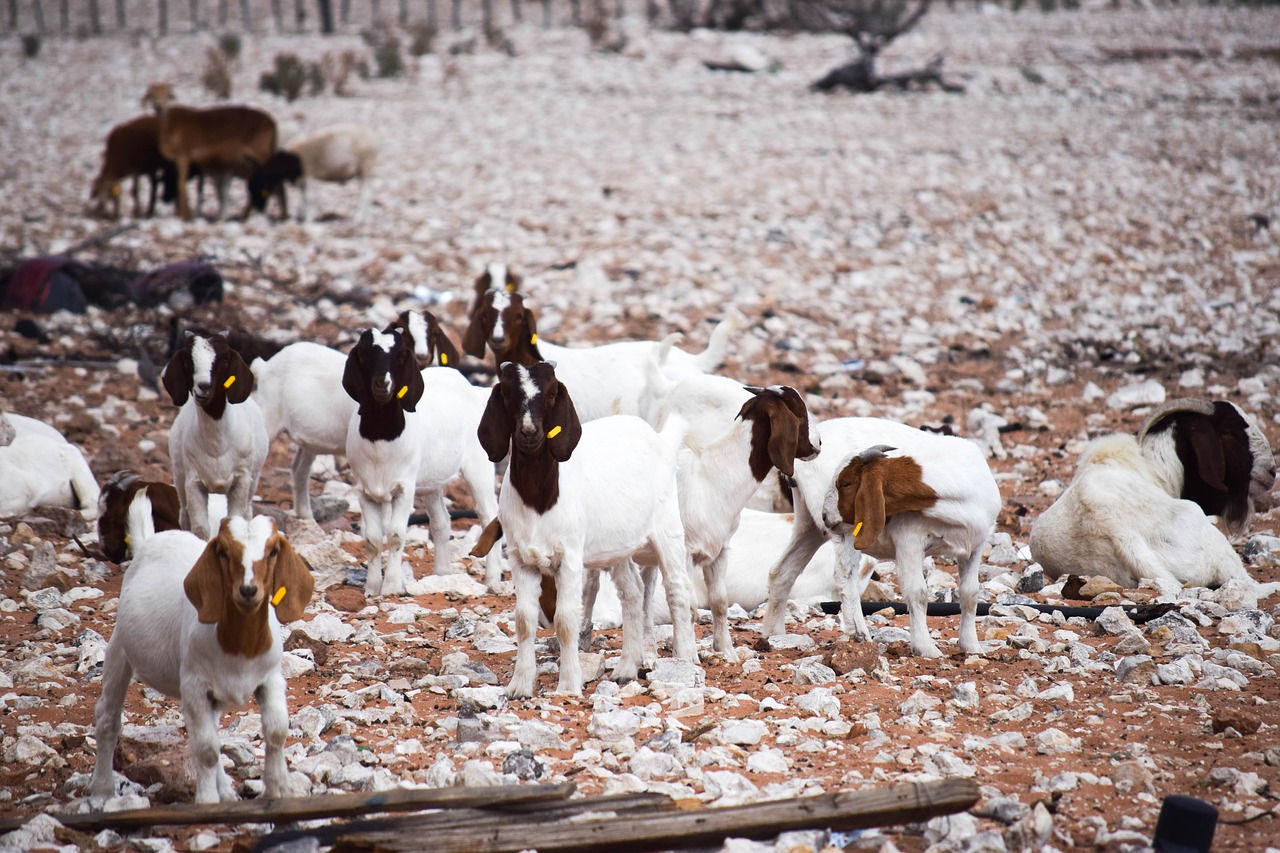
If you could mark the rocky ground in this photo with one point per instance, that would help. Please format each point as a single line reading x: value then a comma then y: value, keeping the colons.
x: 1088, y: 229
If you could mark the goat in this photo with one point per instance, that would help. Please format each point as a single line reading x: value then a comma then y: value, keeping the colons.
x: 222, y: 141
x: 39, y: 467
x: 1138, y: 507
x: 119, y: 493
x: 218, y: 441
x: 734, y: 436
x: 431, y: 346
x: 935, y: 497
x: 201, y: 622
x: 337, y: 154
x: 578, y: 497
x: 608, y: 380
x: 132, y: 150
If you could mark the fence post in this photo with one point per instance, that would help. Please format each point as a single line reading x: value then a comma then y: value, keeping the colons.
x: 455, y: 16
x: 546, y: 14
x: 163, y: 25
x: 246, y: 19
x: 195, y: 16
x: 64, y: 14
x: 300, y: 16
x: 404, y: 13
x: 38, y: 7
x: 346, y: 11
x: 517, y: 14
x: 278, y: 14
x: 95, y: 19
x: 120, y: 19
x: 326, y: 16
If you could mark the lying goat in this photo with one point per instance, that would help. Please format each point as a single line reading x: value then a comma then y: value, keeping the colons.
x: 934, y: 496
x: 218, y: 441
x: 39, y: 467
x: 201, y: 622
x: 577, y: 497
x: 1139, y: 507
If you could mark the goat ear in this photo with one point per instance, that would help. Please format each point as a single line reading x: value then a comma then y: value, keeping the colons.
x: 473, y: 339
x: 446, y: 352
x: 204, y: 586
x: 494, y: 431
x: 293, y: 583
x: 488, y: 538
x: 1206, y: 445
x: 564, y: 429
x: 241, y: 379
x: 868, y: 507
x: 409, y: 378
x: 351, y: 376
x: 529, y: 343
x: 177, y: 378
x: 784, y: 438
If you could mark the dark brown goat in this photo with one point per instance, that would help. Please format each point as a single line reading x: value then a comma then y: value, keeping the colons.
x: 118, y: 493
x: 132, y: 150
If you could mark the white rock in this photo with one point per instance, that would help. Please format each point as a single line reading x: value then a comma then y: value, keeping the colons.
x: 1056, y: 742
x: 743, y: 732
x: 327, y: 628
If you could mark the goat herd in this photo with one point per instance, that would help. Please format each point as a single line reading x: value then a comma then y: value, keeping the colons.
x: 173, y: 144
x: 629, y: 456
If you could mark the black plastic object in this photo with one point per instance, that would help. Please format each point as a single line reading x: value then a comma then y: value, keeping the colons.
x: 1185, y: 825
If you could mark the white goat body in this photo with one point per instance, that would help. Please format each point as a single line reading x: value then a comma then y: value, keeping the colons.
x: 958, y: 525
x: 337, y: 154
x: 39, y: 467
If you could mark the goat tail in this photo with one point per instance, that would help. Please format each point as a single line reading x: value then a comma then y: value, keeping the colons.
x: 711, y: 357
x: 139, y: 524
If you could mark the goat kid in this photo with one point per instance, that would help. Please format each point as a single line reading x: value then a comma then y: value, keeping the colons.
x: 218, y: 441
x: 577, y: 497
x: 335, y: 154
x: 935, y: 497
x: 202, y: 622
x: 119, y: 493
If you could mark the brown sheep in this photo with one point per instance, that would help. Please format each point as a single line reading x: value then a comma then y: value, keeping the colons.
x: 222, y: 141
x: 132, y: 150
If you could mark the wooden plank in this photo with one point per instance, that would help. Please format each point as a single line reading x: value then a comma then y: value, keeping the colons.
x: 459, y: 818
x: 667, y: 830
x: 289, y: 809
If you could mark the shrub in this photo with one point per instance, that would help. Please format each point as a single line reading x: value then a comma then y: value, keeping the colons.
x: 229, y: 44
x: 288, y: 78
x: 216, y: 76
x: 30, y: 45
x: 422, y: 38
x: 388, y: 59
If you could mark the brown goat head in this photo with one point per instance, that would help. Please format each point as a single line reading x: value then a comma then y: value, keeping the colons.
x: 780, y: 432
x: 429, y: 342
x: 502, y: 322
x: 382, y: 376
x: 118, y: 493
x: 529, y: 411
x: 872, y: 488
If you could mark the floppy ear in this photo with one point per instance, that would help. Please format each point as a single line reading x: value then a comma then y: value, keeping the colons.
x: 563, y: 422
x: 241, y: 378
x: 494, y: 431
x: 529, y: 340
x: 177, y: 377
x: 445, y: 351
x: 409, y: 376
x: 784, y: 437
x: 204, y: 586
x: 352, y: 375
x: 868, y: 507
x: 474, y: 337
x: 1206, y: 444
x: 292, y: 582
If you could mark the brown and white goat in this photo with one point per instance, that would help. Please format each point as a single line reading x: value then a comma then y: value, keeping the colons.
x: 223, y: 142
x: 218, y: 441
x: 132, y: 150
x: 431, y: 346
x: 202, y: 622
x: 119, y: 493
x: 577, y: 497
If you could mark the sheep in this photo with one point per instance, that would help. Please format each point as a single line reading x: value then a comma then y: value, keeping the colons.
x: 119, y: 493
x: 201, y: 622
x: 734, y: 436
x: 337, y: 154
x: 222, y: 141
x: 1138, y: 506
x: 935, y: 496
x: 132, y: 150
x: 608, y: 380
x: 218, y: 441
x: 39, y: 467
x: 576, y: 497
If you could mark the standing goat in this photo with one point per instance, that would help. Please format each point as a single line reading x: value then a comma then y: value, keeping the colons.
x: 935, y: 496
x: 218, y: 441
x: 132, y: 150
x: 579, y: 497
x: 1139, y: 507
x: 337, y: 154
x: 609, y: 379
x: 201, y: 622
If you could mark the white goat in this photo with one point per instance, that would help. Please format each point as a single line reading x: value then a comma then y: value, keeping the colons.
x: 201, y: 622
x: 337, y: 154
x: 39, y: 467
x: 610, y: 379
x: 1136, y: 507
x: 218, y: 441
x: 935, y: 496
x: 579, y: 497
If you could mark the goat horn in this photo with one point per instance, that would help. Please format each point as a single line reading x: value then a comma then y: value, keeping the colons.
x: 754, y: 389
x: 876, y: 452
x: 1196, y: 405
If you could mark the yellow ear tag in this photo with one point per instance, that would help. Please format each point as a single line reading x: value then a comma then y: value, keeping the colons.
x: 231, y: 380
x: 856, y: 528
x: 555, y: 430
x: 126, y: 539
x: 115, y: 190
x: 404, y: 389
x: 444, y: 359
x: 511, y: 287
x: 278, y: 597
x: 534, y: 340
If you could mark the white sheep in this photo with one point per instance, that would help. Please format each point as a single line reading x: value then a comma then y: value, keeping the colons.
x: 39, y: 467
x: 895, y: 493
x: 201, y: 622
x: 1139, y: 507
x: 577, y: 497
x: 218, y: 441
x: 336, y: 154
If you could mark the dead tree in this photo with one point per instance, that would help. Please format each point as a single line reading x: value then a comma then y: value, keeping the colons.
x: 872, y: 24
x: 326, y: 16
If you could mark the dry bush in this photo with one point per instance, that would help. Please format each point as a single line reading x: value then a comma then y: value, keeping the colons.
x: 422, y: 37
x: 216, y: 76
x: 287, y: 78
